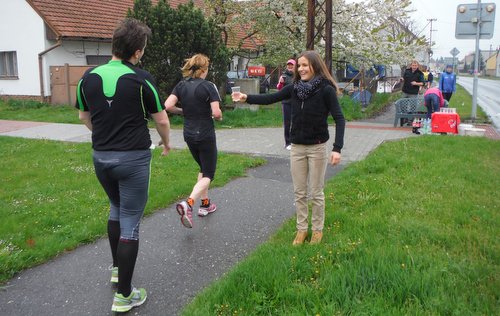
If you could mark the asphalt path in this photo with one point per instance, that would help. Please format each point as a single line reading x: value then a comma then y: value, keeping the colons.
x: 488, y: 97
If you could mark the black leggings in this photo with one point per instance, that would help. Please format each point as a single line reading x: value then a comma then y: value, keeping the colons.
x: 124, y: 175
x: 447, y: 95
x: 205, y: 154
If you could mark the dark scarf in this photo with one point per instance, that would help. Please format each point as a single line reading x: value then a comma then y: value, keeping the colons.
x: 305, y: 88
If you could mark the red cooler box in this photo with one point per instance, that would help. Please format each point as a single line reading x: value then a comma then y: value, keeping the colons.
x: 445, y: 122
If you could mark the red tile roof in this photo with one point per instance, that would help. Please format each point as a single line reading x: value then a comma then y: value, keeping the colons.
x: 243, y: 32
x: 91, y: 19
x: 97, y: 19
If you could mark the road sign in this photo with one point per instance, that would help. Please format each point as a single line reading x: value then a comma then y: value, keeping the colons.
x: 454, y: 52
x: 468, y: 18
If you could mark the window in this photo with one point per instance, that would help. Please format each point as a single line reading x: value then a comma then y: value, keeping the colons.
x: 98, y: 59
x: 8, y: 65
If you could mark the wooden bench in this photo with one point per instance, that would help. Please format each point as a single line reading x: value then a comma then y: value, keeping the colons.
x: 408, y: 109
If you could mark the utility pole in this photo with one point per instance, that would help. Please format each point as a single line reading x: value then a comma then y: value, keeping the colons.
x: 430, y: 38
x: 311, y: 24
x: 319, y: 27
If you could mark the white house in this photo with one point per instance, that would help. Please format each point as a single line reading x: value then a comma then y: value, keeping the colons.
x: 22, y: 41
x: 39, y: 37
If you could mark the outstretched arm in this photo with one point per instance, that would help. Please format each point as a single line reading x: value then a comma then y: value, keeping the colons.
x: 283, y: 94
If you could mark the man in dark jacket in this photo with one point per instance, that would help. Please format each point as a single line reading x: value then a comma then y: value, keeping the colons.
x: 413, y: 79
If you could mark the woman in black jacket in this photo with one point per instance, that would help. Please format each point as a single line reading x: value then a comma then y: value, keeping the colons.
x: 313, y: 96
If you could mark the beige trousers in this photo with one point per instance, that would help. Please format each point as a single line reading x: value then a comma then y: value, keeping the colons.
x: 308, y: 167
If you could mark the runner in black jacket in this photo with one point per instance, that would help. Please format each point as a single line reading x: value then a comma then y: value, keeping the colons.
x: 313, y: 96
x: 198, y: 101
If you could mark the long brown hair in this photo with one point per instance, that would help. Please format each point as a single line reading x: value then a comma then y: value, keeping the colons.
x: 317, y: 65
x: 195, y: 66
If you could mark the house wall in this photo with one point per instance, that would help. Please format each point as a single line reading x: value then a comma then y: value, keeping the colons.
x: 28, y: 41
x: 75, y: 52
x: 491, y: 65
x: 22, y: 31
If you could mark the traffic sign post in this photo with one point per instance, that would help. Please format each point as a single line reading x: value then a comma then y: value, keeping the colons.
x: 454, y: 52
x: 473, y: 16
x: 475, y: 21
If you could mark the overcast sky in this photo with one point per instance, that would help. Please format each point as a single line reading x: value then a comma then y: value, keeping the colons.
x: 444, y: 35
x: 445, y: 12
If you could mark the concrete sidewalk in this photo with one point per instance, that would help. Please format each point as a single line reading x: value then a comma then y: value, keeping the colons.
x: 175, y: 263
x: 360, y: 137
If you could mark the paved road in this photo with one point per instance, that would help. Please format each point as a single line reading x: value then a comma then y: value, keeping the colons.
x: 487, y: 96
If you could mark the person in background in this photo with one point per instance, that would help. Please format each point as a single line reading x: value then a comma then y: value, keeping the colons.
x: 286, y: 79
x: 313, y: 97
x: 199, y: 104
x: 448, y: 82
x: 430, y: 79
x: 114, y: 102
x: 413, y: 80
x: 433, y: 100
x: 426, y: 75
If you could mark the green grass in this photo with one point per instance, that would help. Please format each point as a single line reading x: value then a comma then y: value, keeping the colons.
x: 27, y: 110
x: 462, y: 101
x: 379, y: 102
x: 266, y: 116
x: 51, y: 201
x: 410, y: 230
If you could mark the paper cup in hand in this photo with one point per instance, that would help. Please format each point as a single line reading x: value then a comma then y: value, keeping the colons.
x: 235, y: 93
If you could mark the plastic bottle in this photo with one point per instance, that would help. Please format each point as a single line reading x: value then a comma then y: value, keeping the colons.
x: 426, y: 126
